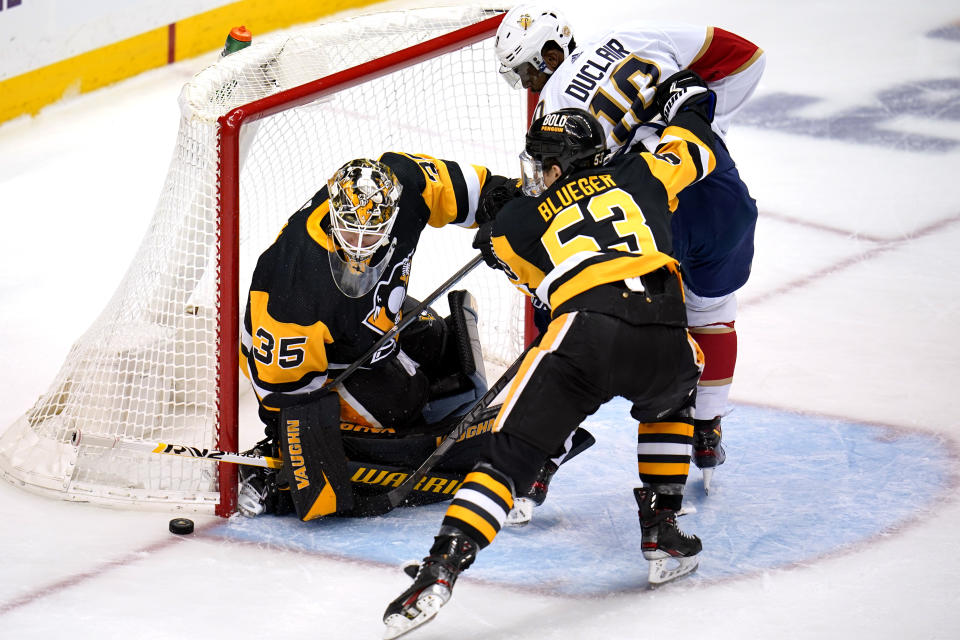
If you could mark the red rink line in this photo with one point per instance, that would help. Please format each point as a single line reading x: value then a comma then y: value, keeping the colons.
x: 820, y: 227
x: 883, y: 246
x: 71, y: 581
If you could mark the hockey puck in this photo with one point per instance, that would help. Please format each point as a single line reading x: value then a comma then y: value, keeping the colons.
x: 181, y: 526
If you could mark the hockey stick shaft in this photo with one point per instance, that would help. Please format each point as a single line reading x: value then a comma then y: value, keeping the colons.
x: 180, y: 450
x: 361, y: 473
x: 195, y: 453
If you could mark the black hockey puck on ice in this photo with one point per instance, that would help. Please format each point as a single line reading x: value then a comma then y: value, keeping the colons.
x: 181, y: 526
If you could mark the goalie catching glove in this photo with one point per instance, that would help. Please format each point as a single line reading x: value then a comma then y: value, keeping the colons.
x: 685, y: 91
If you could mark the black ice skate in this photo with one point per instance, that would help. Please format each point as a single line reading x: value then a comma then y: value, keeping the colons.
x: 708, y: 452
x: 671, y: 552
x: 523, y: 506
x: 538, y: 492
x: 432, y: 585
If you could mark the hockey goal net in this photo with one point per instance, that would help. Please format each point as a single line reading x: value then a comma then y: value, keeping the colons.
x: 260, y: 132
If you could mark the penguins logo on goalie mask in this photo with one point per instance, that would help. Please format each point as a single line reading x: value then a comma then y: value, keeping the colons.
x: 363, y: 205
x: 520, y: 39
x: 570, y: 138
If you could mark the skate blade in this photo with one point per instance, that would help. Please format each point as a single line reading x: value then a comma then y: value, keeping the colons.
x: 399, y: 624
x: 521, y: 514
x: 665, y: 570
x: 707, y: 478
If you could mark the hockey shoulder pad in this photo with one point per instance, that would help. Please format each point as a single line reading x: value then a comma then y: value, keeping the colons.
x: 314, y: 463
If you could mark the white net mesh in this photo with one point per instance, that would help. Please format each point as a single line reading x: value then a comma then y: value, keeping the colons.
x: 146, y: 371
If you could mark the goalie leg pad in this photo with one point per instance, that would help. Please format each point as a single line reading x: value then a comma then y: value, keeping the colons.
x: 315, y: 465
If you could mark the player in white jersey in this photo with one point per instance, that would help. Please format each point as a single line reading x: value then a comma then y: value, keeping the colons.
x: 615, y: 77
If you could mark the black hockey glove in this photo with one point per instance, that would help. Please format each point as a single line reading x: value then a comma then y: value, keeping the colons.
x: 481, y: 241
x: 497, y: 191
x: 684, y: 91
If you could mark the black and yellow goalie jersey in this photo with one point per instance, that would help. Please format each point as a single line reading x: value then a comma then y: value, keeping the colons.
x: 298, y: 326
x: 604, y: 224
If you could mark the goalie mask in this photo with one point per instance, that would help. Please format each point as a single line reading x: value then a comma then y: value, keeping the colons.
x: 570, y: 138
x: 363, y: 208
x: 520, y: 39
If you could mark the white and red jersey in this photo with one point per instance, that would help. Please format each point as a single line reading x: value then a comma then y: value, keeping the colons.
x: 615, y: 76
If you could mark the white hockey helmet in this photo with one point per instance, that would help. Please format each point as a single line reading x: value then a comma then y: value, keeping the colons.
x: 364, y: 196
x: 521, y: 36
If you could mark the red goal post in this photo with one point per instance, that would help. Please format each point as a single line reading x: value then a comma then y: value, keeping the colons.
x: 261, y: 130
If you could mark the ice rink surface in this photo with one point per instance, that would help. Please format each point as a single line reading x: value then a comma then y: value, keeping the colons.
x: 836, y: 514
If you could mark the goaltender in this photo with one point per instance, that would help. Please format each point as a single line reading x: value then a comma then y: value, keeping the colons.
x: 330, y: 286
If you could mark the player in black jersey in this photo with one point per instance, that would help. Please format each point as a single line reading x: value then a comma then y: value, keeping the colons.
x: 322, y: 294
x: 592, y: 244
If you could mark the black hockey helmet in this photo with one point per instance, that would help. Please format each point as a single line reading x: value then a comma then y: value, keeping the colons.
x: 570, y: 138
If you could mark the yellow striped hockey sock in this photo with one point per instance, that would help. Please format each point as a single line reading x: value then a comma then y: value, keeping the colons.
x: 480, y: 505
x: 663, y: 452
